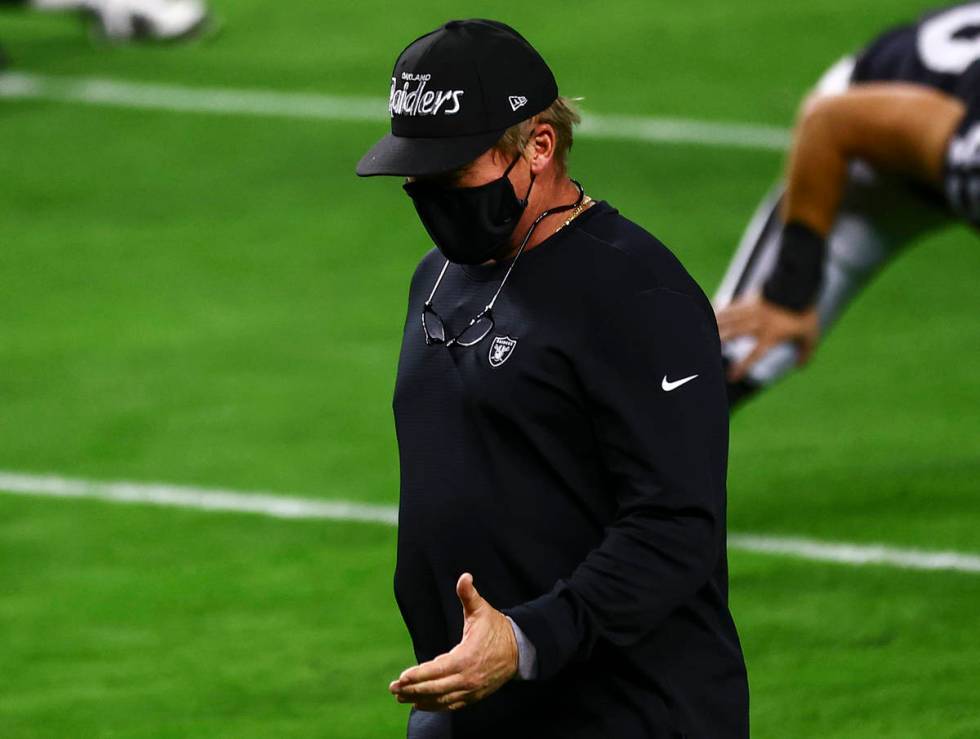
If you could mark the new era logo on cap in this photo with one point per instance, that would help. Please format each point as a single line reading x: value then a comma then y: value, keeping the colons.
x: 517, y: 101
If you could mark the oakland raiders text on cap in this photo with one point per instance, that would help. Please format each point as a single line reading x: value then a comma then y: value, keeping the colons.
x: 453, y: 93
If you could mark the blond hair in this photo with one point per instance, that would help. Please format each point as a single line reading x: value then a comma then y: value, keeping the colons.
x: 562, y: 115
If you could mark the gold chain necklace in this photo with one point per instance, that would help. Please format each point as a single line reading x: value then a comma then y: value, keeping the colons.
x: 586, y: 202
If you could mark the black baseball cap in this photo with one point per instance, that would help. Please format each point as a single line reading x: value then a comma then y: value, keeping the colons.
x: 454, y: 92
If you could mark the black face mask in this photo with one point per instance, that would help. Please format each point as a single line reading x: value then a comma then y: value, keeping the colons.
x: 470, y: 224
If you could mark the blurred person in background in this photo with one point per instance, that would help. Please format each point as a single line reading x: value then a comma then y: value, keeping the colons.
x: 130, y: 20
x: 562, y: 427
x: 886, y: 150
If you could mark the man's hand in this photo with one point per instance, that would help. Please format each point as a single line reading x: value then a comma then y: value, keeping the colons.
x: 484, y: 659
x: 770, y: 325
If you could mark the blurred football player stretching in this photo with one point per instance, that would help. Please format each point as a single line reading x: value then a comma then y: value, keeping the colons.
x: 126, y: 20
x: 886, y: 149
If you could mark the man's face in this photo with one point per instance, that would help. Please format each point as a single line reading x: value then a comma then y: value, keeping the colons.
x: 479, y: 225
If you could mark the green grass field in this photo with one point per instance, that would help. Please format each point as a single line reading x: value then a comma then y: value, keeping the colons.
x: 217, y: 301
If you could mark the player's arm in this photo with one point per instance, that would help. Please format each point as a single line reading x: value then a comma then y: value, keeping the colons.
x: 895, y: 127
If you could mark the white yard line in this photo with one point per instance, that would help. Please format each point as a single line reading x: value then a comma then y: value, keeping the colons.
x: 246, y: 102
x: 209, y: 499
x: 280, y: 506
x: 855, y: 554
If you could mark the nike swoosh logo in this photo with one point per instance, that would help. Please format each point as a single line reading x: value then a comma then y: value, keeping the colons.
x: 668, y: 386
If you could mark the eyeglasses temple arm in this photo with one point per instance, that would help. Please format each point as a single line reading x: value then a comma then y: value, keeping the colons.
x: 520, y: 250
x: 435, y: 287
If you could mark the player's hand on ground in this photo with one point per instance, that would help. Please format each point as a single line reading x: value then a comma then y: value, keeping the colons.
x: 770, y: 325
x: 484, y: 659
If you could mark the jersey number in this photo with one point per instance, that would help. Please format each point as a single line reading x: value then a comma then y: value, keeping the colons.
x: 940, y: 48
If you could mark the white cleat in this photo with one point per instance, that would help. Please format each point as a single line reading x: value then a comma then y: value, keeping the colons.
x: 158, y: 20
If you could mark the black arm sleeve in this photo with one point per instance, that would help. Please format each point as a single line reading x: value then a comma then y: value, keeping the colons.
x: 665, y: 445
x: 795, y: 279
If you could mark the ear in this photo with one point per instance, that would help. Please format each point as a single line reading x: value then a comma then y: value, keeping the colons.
x: 541, y: 147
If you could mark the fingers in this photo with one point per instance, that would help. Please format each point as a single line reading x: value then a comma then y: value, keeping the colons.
x: 468, y: 596
x: 440, y: 667
x: 810, y: 336
x: 443, y: 694
x: 737, y: 371
x: 431, y: 689
x: 806, y: 347
x: 738, y: 319
x: 450, y: 702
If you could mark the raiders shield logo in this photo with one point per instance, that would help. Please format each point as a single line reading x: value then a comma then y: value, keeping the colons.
x: 501, y: 348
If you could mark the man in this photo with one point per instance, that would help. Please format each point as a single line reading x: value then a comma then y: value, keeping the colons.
x: 127, y: 20
x: 884, y: 152
x: 562, y: 427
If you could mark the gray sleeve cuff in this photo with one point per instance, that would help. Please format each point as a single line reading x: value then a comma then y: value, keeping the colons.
x: 527, y: 655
